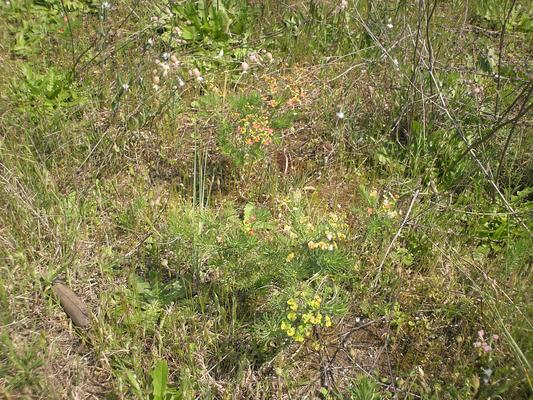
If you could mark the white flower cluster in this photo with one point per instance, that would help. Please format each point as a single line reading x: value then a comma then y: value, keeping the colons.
x: 257, y: 59
x: 168, y: 62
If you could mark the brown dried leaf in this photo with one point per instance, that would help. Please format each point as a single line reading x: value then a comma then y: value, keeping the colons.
x: 72, y: 304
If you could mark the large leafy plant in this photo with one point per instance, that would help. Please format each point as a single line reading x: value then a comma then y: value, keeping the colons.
x: 212, y: 21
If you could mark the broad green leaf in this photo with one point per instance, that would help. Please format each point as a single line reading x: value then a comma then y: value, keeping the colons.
x: 159, y: 380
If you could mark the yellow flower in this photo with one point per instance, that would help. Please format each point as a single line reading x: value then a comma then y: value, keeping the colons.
x: 316, y: 319
x: 316, y: 346
x: 315, y: 303
x: 328, y: 321
x: 291, y: 316
x: 290, y: 257
x: 322, y: 245
x: 312, y: 245
x: 284, y: 326
x: 293, y: 305
x: 299, y: 338
x: 291, y: 331
x: 306, y: 317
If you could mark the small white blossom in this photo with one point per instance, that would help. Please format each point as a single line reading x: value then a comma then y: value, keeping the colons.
x: 196, y: 73
x: 344, y: 4
x: 252, y: 58
x: 181, y: 83
x: 340, y: 115
x: 125, y: 87
x: 106, y: 5
x: 166, y: 56
x: 269, y: 57
x: 150, y: 42
x: 244, y: 66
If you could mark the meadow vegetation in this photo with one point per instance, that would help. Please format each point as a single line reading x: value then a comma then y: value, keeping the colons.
x: 267, y: 199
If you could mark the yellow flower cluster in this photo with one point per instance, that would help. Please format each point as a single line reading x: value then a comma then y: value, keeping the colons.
x: 387, y: 205
x: 332, y: 236
x: 304, y: 314
x: 255, y: 129
x: 321, y: 245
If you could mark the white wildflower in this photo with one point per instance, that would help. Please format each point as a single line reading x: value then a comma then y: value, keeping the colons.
x: 244, y: 66
x: 340, y: 114
x: 269, y: 57
x: 344, y: 4
x: 125, y: 87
